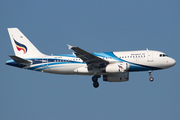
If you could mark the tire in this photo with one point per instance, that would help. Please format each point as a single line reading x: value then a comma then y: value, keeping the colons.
x: 94, y: 79
x: 96, y: 84
x: 151, y: 79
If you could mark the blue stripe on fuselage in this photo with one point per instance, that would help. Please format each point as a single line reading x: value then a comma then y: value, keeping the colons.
x: 133, y: 66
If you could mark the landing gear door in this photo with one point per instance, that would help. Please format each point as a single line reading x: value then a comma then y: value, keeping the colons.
x: 149, y: 56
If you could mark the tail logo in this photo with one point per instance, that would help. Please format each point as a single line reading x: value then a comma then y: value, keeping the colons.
x: 20, y: 46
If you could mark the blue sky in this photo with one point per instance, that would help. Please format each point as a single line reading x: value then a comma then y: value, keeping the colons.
x: 96, y: 26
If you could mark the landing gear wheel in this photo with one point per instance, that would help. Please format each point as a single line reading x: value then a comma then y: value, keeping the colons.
x: 94, y: 79
x: 151, y: 79
x: 96, y: 84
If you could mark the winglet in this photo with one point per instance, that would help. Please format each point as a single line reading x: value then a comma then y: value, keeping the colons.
x: 69, y: 46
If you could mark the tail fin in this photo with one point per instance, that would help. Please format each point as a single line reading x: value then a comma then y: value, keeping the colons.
x: 21, y: 45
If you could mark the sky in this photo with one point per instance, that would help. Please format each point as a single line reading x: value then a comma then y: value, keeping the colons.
x: 95, y: 26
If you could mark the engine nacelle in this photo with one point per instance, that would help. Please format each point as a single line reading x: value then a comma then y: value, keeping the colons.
x: 117, y: 67
x: 121, y: 77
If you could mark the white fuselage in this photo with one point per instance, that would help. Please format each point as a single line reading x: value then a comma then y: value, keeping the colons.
x: 112, y: 66
x: 143, y: 60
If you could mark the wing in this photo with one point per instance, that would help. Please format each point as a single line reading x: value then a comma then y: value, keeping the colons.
x: 88, y: 58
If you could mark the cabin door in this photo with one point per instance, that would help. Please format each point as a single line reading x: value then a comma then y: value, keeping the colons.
x: 149, y: 56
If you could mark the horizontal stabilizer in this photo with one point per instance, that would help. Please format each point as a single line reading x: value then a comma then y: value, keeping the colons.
x: 19, y: 60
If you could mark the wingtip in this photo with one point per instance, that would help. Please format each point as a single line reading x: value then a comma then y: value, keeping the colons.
x: 69, y: 46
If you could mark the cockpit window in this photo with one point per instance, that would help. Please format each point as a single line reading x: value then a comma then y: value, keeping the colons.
x: 163, y: 55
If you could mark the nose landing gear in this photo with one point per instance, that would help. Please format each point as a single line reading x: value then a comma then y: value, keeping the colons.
x: 151, y: 78
x: 95, y: 81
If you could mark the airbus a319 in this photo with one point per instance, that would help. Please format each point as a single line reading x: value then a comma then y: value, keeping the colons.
x: 112, y: 66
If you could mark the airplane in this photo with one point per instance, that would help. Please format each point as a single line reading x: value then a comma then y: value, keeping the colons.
x: 112, y: 66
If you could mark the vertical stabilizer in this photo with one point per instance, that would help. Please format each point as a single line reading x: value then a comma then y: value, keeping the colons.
x: 21, y: 45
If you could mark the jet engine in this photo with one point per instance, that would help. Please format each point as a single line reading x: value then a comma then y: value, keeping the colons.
x: 117, y: 67
x: 121, y: 77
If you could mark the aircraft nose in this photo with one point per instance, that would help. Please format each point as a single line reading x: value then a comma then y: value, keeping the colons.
x: 172, y: 62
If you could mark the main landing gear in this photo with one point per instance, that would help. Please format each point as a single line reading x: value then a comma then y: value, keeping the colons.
x: 95, y: 80
x: 151, y: 78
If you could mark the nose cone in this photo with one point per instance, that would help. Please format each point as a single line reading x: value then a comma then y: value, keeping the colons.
x: 171, y: 62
